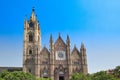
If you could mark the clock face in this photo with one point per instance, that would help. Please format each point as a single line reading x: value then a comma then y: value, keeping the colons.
x: 60, y: 55
x: 31, y: 24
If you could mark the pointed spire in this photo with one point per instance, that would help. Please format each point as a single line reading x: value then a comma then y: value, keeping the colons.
x: 25, y: 18
x: 59, y: 34
x: 38, y: 25
x: 51, y: 44
x: 33, y: 9
x: 68, y: 40
x: 82, y: 45
x: 33, y: 17
x: 25, y: 21
x: 51, y: 38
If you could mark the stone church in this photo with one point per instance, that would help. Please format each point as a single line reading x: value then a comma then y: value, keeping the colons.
x: 58, y: 62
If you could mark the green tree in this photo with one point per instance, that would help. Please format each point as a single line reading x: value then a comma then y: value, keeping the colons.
x: 1, y: 79
x: 79, y: 76
x: 103, y: 75
x: 3, y: 74
x: 117, y: 72
x: 16, y: 75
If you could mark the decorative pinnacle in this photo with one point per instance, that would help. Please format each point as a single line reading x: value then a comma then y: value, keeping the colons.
x: 82, y: 45
x: 51, y: 38
x: 33, y: 9
x: 68, y: 38
x: 25, y: 18
x: 59, y: 34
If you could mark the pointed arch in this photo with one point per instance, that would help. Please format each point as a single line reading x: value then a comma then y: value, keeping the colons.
x: 45, y: 72
x: 30, y: 38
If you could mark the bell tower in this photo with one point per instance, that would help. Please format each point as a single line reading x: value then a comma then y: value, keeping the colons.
x: 32, y: 45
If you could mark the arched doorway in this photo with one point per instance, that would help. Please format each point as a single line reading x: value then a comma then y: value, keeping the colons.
x: 61, y: 73
x: 45, y: 73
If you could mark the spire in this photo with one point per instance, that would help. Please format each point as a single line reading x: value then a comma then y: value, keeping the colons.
x: 59, y: 34
x: 33, y: 17
x: 38, y: 25
x: 82, y: 49
x: 68, y: 40
x: 25, y: 21
x: 51, y: 43
x: 51, y: 40
x: 25, y: 18
x: 82, y: 45
x: 33, y: 9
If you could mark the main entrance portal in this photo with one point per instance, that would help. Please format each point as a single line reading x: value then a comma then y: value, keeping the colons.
x: 61, y: 73
x: 61, y: 77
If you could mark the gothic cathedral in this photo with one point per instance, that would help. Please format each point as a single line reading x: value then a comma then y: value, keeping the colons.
x: 58, y: 62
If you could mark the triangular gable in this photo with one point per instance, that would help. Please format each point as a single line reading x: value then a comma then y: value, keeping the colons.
x: 60, y: 40
x: 44, y: 50
x: 75, y: 52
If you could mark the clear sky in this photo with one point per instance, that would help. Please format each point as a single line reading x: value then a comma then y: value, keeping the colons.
x: 94, y: 22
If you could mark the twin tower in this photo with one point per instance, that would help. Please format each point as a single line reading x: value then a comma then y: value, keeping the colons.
x: 58, y: 62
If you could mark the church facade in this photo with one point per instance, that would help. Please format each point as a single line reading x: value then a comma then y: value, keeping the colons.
x: 58, y: 62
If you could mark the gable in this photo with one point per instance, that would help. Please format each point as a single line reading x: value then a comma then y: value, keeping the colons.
x: 75, y: 53
x: 44, y: 52
x: 60, y: 42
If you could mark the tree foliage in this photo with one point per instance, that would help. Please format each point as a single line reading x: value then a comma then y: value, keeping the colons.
x: 102, y: 75
x: 19, y: 75
x: 16, y: 75
x: 78, y: 76
x: 117, y: 72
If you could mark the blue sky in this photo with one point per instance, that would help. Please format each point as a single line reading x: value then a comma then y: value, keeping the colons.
x: 94, y: 22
